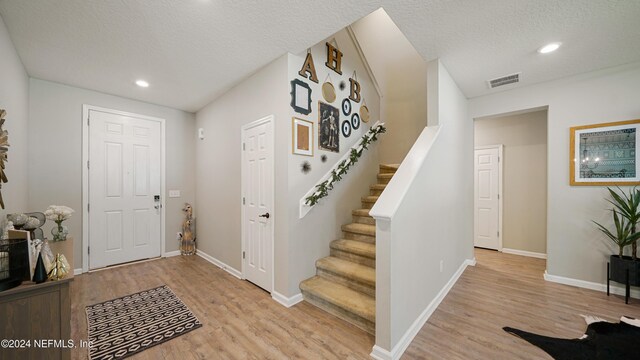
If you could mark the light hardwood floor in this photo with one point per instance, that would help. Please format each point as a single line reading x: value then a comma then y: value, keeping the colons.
x: 509, y: 290
x: 243, y: 322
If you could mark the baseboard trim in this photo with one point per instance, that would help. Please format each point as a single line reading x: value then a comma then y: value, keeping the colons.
x: 171, y: 253
x: 379, y: 353
x: 219, y: 264
x: 524, y: 253
x: 77, y: 271
x: 286, y: 301
x: 614, y: 289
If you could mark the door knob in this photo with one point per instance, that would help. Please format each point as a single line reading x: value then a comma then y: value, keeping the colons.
x: 265, y: 215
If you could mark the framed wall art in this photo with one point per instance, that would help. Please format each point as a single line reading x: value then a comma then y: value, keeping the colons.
x: 329, y: 127
x: 302, y: 137
x: 605, y: 154
x: 300, y: 97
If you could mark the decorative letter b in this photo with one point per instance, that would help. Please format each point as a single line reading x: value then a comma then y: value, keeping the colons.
x: 355, y: 90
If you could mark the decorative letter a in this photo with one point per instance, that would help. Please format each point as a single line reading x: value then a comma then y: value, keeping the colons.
x: 308, y: 67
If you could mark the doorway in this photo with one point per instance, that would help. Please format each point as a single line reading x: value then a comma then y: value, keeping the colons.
x: 123, y: 187
x: 523, y: 203
x: 258, y: 202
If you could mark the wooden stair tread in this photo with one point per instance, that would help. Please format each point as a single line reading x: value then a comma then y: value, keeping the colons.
x: 360, y: 212
x: 357, y: 228
x: 385, y: 176
x: 389, y: 166
x: 355, y: 247
x: 377, y: 187
x: 347, y: 269
x: 341, y: 296
x: 370, y: 198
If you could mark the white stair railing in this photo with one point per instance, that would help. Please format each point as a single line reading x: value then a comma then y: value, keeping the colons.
x: 339, y: 169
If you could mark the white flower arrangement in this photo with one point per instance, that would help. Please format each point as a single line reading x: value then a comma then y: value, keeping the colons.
x: 58, y: 213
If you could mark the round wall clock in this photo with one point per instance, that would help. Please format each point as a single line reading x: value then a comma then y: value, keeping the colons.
x: 346, y: 128
x: 355, y: 121
x: 4, y: 148
x: 346, y: 107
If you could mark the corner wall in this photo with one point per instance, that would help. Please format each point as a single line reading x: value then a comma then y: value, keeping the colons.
x: 55, y: 153
x: 575, y: 248
x: 424, y: 220
x: 401, y: 73
x: 14, y: 98
x: 218, y: 166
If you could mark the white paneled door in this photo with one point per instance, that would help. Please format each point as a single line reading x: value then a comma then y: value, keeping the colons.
x: 487, y: 175
x: 124, y: 188
x: 258, y: 185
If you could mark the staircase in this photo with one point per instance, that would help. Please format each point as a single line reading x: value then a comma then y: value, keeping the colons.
x: 345, y: 281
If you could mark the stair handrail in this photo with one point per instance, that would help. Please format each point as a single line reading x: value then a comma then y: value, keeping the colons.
x: 339, y: 169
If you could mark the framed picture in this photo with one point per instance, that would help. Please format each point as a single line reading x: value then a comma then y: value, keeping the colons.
x: 300, y: 97
x: 605, y: 154
x: 302, y: 137
x: 329, y: 127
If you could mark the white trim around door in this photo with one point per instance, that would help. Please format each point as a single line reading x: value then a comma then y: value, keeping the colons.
x: 270, y: 119
x: 86, y: 111
x: 500, y: 148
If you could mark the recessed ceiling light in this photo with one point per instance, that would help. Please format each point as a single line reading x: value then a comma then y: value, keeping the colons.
x: 549, y: 48
x: 142, y: 83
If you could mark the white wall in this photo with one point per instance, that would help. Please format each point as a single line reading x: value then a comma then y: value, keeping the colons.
x: 310, y: 236
x: 401, y: 73
x: 425, y: 217
x: 14, y: 98
x: 524, y: 137
x: 218, y: 175
x: 55, y: 153
x: 575, y: 249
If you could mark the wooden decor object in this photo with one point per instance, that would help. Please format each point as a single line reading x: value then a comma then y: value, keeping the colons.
x: 334, y: 58
x: 4, y: 148
x: 309, y: 68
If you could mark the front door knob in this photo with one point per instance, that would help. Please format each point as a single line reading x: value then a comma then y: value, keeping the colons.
x: 266, y: 215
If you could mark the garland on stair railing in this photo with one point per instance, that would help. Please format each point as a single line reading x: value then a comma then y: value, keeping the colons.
x: 323, y: 188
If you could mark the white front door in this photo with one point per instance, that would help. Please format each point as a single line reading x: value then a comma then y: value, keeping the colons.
x: 257, y: 189
x: 124, y: 188
x: 487, y: 198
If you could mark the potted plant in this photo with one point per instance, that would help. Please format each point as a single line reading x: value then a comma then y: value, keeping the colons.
x: 626, y: 215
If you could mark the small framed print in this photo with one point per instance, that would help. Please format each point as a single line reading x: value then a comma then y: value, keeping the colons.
x: 300, y: 97
x: 605, y: 154
x: 302, y: 137
x: 329, y: 127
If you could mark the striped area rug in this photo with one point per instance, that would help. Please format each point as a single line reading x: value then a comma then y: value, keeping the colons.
x: 125, y: 326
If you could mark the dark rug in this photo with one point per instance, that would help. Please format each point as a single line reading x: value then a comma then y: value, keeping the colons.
x: 125, y: 326
x: 602, y: 340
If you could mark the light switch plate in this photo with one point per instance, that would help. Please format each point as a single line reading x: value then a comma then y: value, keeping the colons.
x: 174, y: 193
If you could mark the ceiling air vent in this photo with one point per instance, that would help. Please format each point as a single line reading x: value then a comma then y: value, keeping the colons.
x: 505, y: 80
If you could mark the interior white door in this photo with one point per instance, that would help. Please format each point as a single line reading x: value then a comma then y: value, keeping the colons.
x: 487, y: 198
x: 258, y: 185
x: 124, y: 189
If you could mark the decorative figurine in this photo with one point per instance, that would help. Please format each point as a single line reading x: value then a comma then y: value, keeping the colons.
x: 187, y: 237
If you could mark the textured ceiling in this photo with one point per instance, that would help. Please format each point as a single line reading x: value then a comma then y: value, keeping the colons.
x: 192, y: 51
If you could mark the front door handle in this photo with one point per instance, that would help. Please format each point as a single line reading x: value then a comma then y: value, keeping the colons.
x: 265, y: 215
